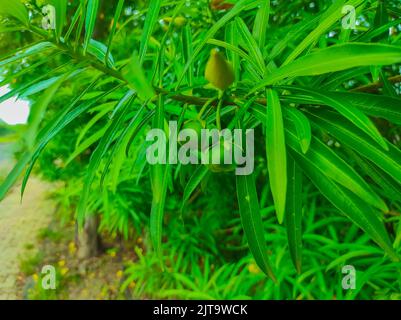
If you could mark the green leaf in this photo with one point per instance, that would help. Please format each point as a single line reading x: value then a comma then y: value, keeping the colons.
x: 371, y: 104
x: 150, y: 22
x: 136, y: 78
x: 325, y: 160
x: 99, y: 50
x: 196, y: 178
x: 44, y: 137
x: 252, y: 222
x: 116, y: 121
x: 276, y: 152
x: 117, y: 14
x: 387, y: 186
x: 90, y: 21
x: 16, y: 9
x: 302, y: 125
x: 86, y: 144
x: 40, y: 47
x: 335, y: 58
x: 354, y: 208
x: 187, y: 51
x: 38, y: 110
x: 351, y: 113
x: 159, y: 181
x: 250, y: 44
x: 293, y: 216
x: 328, y: 19
x: 261, y: 24
x: 356, y: 139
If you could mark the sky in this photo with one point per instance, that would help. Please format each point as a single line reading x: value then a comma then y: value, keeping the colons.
x: 13, y: 110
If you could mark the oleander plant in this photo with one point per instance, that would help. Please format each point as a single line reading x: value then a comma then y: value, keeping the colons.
x: 317, y: 81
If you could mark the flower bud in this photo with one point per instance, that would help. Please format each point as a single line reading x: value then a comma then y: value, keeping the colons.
x: 219, y: 71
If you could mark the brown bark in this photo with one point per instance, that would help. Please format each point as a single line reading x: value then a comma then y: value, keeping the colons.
x: 88, y: 240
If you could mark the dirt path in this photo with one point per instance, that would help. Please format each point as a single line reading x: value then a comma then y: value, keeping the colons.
x: 19, y: 226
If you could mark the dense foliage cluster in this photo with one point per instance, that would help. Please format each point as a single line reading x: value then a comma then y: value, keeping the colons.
x: 321, y: 96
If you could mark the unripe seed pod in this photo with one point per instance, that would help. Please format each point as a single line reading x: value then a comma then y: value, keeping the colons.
x: 217, y: 154
x: 196, y: 132
x: 219, y: 71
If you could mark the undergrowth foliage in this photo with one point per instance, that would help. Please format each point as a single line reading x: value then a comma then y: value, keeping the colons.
x: 320, y: 99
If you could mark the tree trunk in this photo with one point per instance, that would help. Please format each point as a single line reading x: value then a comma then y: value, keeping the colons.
x: 88, y: 240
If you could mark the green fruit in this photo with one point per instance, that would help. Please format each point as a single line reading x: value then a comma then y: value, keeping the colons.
x: 196, y: 133
x: 219, y: 71
x: 217, y: 154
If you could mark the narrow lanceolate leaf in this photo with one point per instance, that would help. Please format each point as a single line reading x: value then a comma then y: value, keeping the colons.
x: 187, y: 50
x: 150, y: 22
x: 261, y: 23
x: 90, y: 21
x: 250, y: 44
x: 371, y: 104
x: 388, y: 161
x: 159, y: 182
x: 37, y: 48
x: 276, y: 152
x: 14, y: 8
x: 293, y: 216
x: 252, y: 222
x: 335, y: 58
x: 353, y: 114
x: 117, y: 14
x: 328, y: 18
x: 136, y: 78
x: 350, y: 205
x: 302, y: 125
x: 325, y: 160
x: 196, y: 178
x: 44, y: 137
x: 99, y: 50
x: 38, y: 110
x: 104, y: 144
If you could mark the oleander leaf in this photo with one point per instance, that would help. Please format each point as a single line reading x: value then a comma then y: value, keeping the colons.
x: 252, y: 222
x: 293, y: 212
x: 334, y: 58
x: 276, y: 152
x: 90, y: 21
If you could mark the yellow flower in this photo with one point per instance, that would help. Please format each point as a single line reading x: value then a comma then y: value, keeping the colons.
x: 72, y: 248
x: 64, y: 271
x: 253, y: 268
x: 61, y: 263
x: 35, y: 277
x: 132, y: 284
x: 119, y: 274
